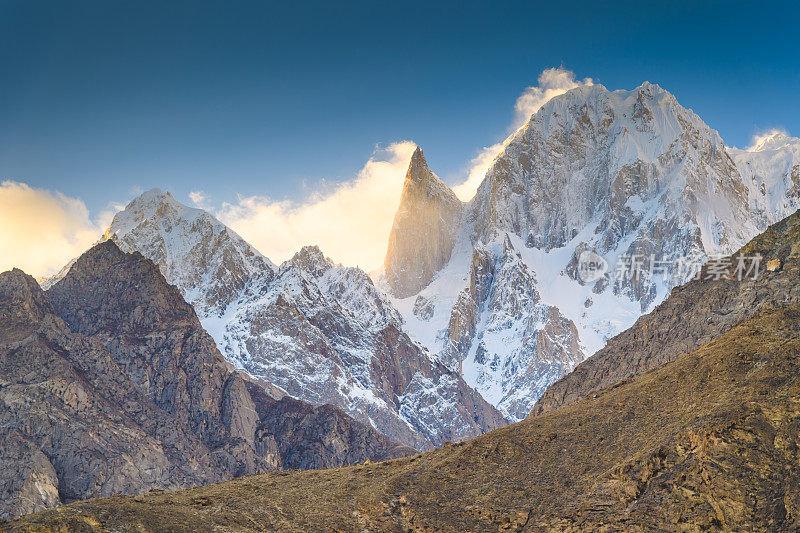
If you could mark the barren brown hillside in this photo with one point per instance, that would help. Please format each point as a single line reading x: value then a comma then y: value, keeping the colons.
x: 707, y: 442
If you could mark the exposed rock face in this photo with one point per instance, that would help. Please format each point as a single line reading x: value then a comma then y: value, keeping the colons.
x: 75, y: 424
x: 319, y: 436
x: 708, y: 442
x: 629, y: 175
x: 325, y: 334
x: 424, y: 229
x: 123, y: 301
x: 464, y: 318
x: 423, y: 308
x: 109, y: 385
x: 320, y: 332
x: 513, y: 344
x: 31, y: 482
x: 694, y: 314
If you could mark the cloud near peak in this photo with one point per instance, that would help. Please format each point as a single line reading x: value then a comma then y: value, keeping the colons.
x: 41, y: 230
x: 552, y: 82
x: 760, y: 139
x: 350, y: 224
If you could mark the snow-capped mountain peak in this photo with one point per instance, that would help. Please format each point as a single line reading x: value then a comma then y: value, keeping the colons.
x: 321, y: 332
x: 771, y: 172
x: 627, y: 176
x: 205, y: 259
x: 312, y: 260
x: 774, y: 140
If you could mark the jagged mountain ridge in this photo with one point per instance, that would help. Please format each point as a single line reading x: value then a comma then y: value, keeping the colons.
x: 109, y: 385
x: 696, y: 312
x: 616, y: 173
x: 321, y: 332
x: 208, y: 262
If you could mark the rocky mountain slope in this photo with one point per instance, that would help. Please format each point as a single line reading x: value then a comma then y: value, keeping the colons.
x: 707, y: 442
x: 693, y: 314
x: 109, y: 385
x: 628, y: 179
x: 493, y: 294
x: 320, y: 332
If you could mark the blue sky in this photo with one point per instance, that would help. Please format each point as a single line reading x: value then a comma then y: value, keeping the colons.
x: 101, y: 98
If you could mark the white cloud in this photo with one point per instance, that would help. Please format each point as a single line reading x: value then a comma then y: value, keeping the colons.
x: 199, y: 199
x: 552, y: 82
x: 350, y: 224
x: 760, y: 138
x: 477, y: 170
x: 40, y: 230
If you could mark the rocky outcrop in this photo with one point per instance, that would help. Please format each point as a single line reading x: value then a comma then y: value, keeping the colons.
x: 123, y: 301
x: 423, y: 308
x: 76, y: 425
x: 323, y: 436
x: 694, y: 314
x: 109, y: 385
x: 424, y: 229
x: 465, y: 315
x: 31, y: 481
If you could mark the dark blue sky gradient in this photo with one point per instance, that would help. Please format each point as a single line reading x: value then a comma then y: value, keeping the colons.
x: 97, y: 98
